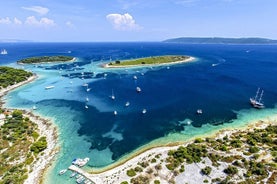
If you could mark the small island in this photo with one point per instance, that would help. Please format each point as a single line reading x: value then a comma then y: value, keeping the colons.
x: 45, y: 59
x: 149, y: 61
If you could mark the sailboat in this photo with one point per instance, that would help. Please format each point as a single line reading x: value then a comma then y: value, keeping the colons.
x: 4, y: 52
x: 112, y: 97
x: 256, y: 101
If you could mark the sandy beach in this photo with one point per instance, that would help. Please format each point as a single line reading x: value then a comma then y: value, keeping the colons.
x: 45, y: 128
x: 190, y: 59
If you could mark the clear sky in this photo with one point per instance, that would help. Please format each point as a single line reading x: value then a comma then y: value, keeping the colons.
x: 135, y: 20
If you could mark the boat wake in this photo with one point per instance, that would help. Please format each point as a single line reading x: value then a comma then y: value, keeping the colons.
x: 221, y: 61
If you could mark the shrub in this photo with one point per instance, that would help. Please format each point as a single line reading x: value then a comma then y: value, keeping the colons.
x: 198, y: 140
x: 39, y: 146
x: 231, y: 170
x: 206, y: 171
x: 138, y: 169
x: 253, y: 149
x: 140, y: 180
x: 236, y: 143
x: 124, y: 182
x: 131, y: 172
x: 157, y: 182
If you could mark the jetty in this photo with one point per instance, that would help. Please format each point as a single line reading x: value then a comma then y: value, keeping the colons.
x: 88, y: 176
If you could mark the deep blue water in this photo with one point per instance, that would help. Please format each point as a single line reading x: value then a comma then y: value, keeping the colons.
x: 170, y: 95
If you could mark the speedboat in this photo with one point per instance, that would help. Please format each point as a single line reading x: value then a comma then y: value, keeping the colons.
x: 49, y: 87
x: 73, y: 174
x: 115, y: 113
x: 62, y: 171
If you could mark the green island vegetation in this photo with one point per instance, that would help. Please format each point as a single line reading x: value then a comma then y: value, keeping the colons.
x: 45, y: 59
x: 244, y: 156
x: 155, y: 60
x: 20, y: 145
x: 10, y: 76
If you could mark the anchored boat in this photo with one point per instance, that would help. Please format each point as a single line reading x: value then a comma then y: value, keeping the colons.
x: 256, y: 101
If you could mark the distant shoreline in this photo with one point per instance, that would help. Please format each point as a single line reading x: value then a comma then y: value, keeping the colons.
x: 189, y: 59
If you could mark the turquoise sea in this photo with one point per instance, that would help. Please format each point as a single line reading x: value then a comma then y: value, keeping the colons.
x: 219, y: 82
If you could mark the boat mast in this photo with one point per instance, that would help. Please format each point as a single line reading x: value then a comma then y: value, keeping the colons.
x: 261, y: 96
x: 257, y: 93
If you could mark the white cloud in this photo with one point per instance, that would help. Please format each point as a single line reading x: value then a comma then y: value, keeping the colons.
x: 69, y: 24
x: 32, y: 20
x: 17, y: 21
x: 123, y: 22
x: 5, y: 20
x: 38, y: 9
x: 10, y: 21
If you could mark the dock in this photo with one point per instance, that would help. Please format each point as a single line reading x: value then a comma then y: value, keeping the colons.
x: 88, y: 176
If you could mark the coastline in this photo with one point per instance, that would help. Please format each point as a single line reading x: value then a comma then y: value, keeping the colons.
x: 44, y: 160
x: 116, y: 173
x: 190, y: 59
x: 46, y: 128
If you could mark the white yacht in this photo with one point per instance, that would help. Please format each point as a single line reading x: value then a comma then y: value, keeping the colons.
x: 135, y: 77
x: 127, y: 104
x: 199, y: 111
x: 49, y: 87
x: 144, y: 111
x: 115, y: 113
x: 80, y: 162
x: 138, y: 89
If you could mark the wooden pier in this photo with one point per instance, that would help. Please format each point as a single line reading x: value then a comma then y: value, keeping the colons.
x: 80, y: 171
